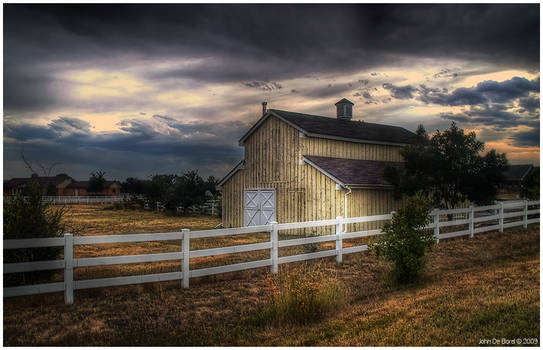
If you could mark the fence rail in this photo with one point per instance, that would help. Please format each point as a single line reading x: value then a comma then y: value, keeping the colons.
x: 522, y: 209
x: 78, y: 199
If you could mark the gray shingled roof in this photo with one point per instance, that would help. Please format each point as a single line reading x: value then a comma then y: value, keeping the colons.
x: 347, y: 129
x: 517, y: 172
x: 352, y: 172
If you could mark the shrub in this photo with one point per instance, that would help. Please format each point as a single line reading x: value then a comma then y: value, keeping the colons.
x: 26, y: 216
x: 405, y: 241
x: 303, y: 296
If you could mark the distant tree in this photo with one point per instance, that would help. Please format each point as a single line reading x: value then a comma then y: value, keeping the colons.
x: 173, y: 190
x: 190, y: 190
x: 133, y: 185
x: 529, y: 187
x: 97, y: 182
x: 448, y: 168
x: 161, y: 189
x: 211, y: 185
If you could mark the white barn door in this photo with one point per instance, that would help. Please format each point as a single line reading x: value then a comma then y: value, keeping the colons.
x: 258, y: 207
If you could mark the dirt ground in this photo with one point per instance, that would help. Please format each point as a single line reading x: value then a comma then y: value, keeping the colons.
x: 473, y: 289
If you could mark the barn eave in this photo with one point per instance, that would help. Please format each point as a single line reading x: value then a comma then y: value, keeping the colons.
x: 235, y: 169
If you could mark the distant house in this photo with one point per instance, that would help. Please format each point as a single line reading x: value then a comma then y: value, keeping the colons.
x: 301, y: 167
x: 50, y: 185
x: 81, y: 188
x: 59, y: 185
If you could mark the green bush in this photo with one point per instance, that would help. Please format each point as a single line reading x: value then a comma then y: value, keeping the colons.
x: 303, y: 296
x: 26, y: 216
x: 405, y: 241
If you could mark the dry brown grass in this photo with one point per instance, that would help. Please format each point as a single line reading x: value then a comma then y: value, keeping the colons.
x: 485, y: 287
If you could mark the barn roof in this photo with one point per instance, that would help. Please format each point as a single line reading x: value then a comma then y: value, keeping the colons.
x: 517, y: 172
x: 231, y: 173
x: 344, y: 100
x: 354, y: 173
x: 344, y: 130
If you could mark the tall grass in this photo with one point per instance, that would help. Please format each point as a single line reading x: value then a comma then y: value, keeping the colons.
x: 303, y: 295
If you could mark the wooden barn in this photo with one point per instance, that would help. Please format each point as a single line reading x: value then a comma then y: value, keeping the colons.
x: 301, y: 167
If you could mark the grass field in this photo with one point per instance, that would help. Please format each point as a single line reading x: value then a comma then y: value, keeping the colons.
x: 481, y: 288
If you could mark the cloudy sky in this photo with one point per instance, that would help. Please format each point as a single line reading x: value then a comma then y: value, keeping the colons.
x: 135, y: 90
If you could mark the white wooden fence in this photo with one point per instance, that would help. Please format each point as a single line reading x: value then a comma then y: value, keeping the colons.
x: 78, y: 199
x: 475, y: 219
x: 210, y: 207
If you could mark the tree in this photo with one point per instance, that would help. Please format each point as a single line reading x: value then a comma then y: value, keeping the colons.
x: 405, y: 241
x: 133, y: 186
x: 190, y: 190
x: 27, y: 216
x: 211, y: 185
x: 448, y: 168
x: 529, y: 187
x: 161, y: 189
x: 97, y: 182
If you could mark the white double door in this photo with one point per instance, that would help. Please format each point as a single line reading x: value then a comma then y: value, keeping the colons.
x: 258, y: 207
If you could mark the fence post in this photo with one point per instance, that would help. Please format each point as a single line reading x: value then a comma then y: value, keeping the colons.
x: 436, y: 222
x: 186, y: 257
x: 525, y: 217
x: 501, y: 217
x: 68, y: 268
x: 339, y: 239
x: 274, y: 252
x: 471, y: 215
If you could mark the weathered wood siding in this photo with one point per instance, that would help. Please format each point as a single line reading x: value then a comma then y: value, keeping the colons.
x: 351, y: 150
x: 272, y: 155
x: 271, y: 161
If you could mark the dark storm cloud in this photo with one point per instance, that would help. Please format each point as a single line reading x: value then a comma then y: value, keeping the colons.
x: 70, y: 141
x: 496, y: 115
x: 485, y: 92
x: 529, y: 104
x: 70, y: 125
x: 256, y: 42
x: 488, y: 91
x: 24, y: 132
x: 263, y: 85
x: 527, y: 138
x: 400, y: 92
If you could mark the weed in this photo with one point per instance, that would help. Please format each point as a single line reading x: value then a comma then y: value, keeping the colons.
x: 304, y: 295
